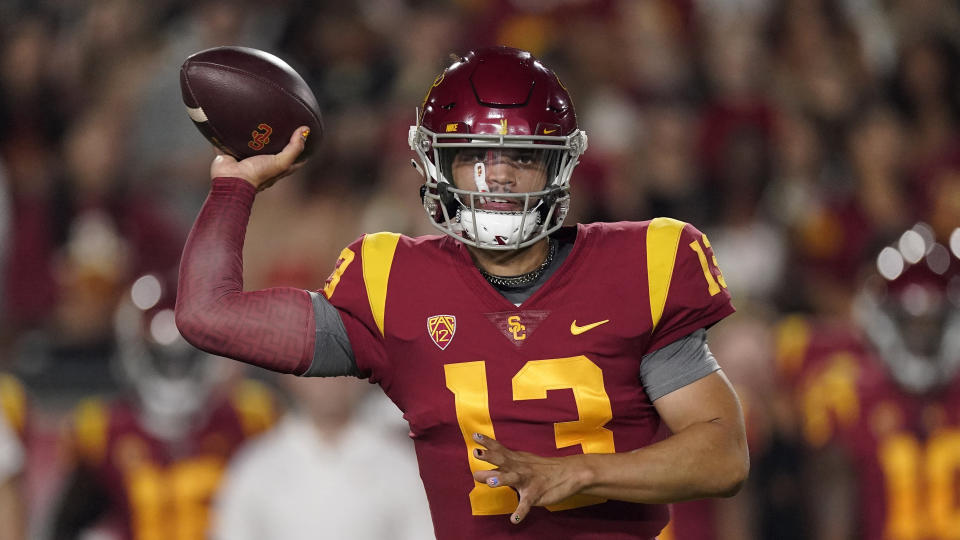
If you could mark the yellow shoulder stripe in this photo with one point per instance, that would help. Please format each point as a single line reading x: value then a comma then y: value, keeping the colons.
x: 91, y: 429
x: 13, y: 402
x: 377, y: 253
x: 254, y: 405
x: 663, y: 239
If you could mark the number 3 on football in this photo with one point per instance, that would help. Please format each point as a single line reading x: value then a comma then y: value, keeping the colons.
x: 248, y: 102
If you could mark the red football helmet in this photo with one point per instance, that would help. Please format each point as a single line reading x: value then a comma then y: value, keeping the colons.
x: 910, y: 312
x: 501, y: 123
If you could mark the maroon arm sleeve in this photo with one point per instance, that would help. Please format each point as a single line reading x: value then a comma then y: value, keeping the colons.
x: 272, y: 328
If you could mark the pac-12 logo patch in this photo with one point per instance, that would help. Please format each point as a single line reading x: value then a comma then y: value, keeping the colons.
x: 441, y: 329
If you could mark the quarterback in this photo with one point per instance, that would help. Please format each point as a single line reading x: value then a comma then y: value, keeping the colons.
x: 534, y: 363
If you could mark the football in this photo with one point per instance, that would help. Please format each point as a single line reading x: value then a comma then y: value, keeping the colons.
x: 248, y: 102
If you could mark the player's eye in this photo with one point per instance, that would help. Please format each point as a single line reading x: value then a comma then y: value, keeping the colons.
x: 526, y: 157
x: 522, y: 158
x: 470, y: 156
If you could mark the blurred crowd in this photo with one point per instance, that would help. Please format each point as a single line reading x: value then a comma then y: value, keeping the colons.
x: 803, y: 136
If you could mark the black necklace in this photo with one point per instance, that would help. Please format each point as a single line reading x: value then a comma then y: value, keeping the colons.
x: 523, y: 279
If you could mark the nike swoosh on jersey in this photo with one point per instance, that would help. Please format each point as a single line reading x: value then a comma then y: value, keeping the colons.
x: 577, y: 330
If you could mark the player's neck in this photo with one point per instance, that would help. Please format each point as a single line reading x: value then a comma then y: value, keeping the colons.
x: 510, y: 262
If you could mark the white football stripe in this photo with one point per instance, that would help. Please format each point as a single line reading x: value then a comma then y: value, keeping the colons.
x: 197, y: 114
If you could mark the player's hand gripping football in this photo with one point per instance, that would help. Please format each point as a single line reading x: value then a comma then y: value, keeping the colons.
x: 264, y: 170
x: 540, y: 481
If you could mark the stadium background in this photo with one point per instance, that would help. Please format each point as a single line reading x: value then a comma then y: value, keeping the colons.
x: 800, y: 135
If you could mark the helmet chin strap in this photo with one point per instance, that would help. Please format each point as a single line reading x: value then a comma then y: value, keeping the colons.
x: 495, y: 227
x: 498, y: 228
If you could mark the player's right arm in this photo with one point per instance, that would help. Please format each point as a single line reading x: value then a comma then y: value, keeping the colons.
x: 272, y: 328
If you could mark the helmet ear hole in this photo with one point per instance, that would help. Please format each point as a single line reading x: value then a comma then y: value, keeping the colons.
x: 547, y: 202
x: 447, y: 198
x: 448, y: 201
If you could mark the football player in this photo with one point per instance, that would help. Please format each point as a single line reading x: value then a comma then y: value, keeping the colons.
x: 534, y: 363
x: 880, y: 405
x: 146, y: 465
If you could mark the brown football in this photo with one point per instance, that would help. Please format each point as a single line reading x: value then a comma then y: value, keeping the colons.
x: 248, y: 102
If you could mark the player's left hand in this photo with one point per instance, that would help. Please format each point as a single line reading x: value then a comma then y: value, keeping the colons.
x: 540, y: 481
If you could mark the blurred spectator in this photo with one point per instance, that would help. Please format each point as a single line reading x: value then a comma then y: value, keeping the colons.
x: 926, y: 91
x: 663, y: 177
x: 736, y: 151
x: 90, y: 206
x: 850, y: 220
x: 31, y: 116
x: 325, y: 469
x: 81, y: 243
x: 643, y: 26
x: 819, y: 65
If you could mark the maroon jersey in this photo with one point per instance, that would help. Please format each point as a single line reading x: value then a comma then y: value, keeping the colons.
x: 905, y: 448
x: 691, y: 520
x: 159, y: 490
x: 556, y: 376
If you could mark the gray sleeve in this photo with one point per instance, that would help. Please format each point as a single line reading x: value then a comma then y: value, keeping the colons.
x: 676, y: 365
x: 332, y: 353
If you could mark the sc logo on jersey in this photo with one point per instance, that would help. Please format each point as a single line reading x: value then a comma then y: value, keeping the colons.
x: 441, y: 329
x: 516, y: 329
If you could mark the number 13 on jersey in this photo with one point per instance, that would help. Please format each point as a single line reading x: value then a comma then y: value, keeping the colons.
x: 468, y: 382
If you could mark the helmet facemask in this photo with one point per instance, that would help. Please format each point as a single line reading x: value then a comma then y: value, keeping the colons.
x: 170, y: 379
x: 496, y: 191
x: 922, y: 351
x: 910, y: 312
